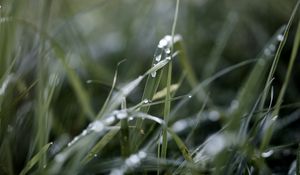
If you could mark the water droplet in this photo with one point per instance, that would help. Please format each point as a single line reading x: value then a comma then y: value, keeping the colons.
x: 275, y: 118
x: 158, y: 58
x: 272, y: 47
x: 84, y: 132
x: 190, y: 96
x: 214, y: 116
x: 130, y: 118
x: 267, y: 153
x: 153, y: 74
x: 215, y: 144
x: 133, y: 160
x: 4, y: 85
x: 146, y: 101
x: 116, y: 172
x: 162, y: 43
x: 109, y: 120
x: 167, y: 50
x: 59, y: 158
x: 97, y: 126
x: 168, y: 58
x: 179, y: 126
x: 142, y: 154
x: 280, y: 37
x: 121, y: 115
x: 234, y: 105
x: 267, y: 52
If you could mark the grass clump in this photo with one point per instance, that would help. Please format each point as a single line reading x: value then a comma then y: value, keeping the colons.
x: 71, y: 104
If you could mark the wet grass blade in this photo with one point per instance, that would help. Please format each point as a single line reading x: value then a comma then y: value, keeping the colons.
x: 282, y: 39
x: 124, y: 134
x: 268, y: 135
x: 35, y: 159
x: 183, y: 149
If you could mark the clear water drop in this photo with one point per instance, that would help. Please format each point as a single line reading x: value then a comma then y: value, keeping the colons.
x: 109, y: 120
x: 162, y: 43
x: 167, y: 50
x: 158, y: 58
x: 280, y: 37
x: 121, y: 115
x: 272, y: 47
x: 142, y: 154
x: 267, y: 154
x: 146, y: 101
x: 214, y: 116
x: 153, y: 74
x: 59, y: 158
x: 267, y: 52
x: 97, y: 126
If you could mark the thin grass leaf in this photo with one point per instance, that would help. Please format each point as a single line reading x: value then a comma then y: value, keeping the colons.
x: 35, y: 159
x: 124, y: 134
x: 248, y: 93
x: 183, y: 149
x: 100, y: 145
x: 282, y: 39
x: 267, y: 137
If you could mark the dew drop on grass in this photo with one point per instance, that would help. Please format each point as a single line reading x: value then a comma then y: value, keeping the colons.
x: 215, y: 145
x: 97, y: 126
x: 190, y: 96
x: 167, y: 50
x: 84, y: 132
x: 135, y: 159
x: 267, y: 52
x: 280, y: 37
x: 275, y: 118
x: 73, y: 141
x: 267, y: 153
x: 146, y: 101
x: 5, y: 84
x: 214, y: 116
x: 162, y: 43
x: 153, y: 74
x: 142, y: 154
x: 121, y: 115
x: 59, y: 158
x: 180, y: 126
x: 116, y: 172
x: 109, y: 120
x: 234, y: 105
x: 272, y: 47
x: 158, y: 58
x: 130, y: 118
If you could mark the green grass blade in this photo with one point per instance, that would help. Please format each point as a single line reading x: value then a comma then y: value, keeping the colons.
x: 124, y: 134
x: 35, y: 159
x: 267, y: 137
x: 283, y: 39
x: 184, y: 150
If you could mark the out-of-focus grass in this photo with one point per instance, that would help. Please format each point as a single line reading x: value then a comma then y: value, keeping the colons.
x: 222, y: 88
